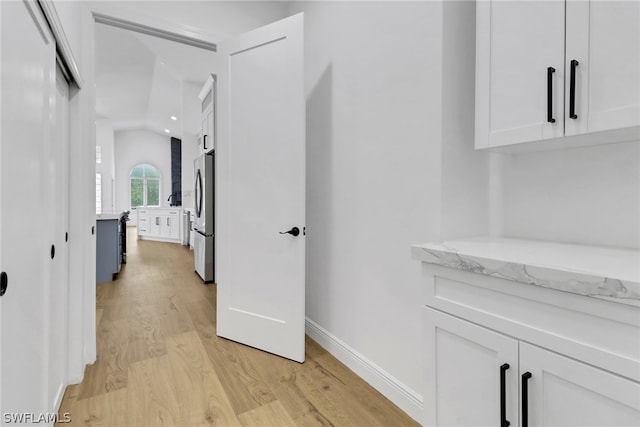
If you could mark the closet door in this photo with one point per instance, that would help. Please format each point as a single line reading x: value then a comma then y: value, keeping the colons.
x: 27, y: 82
x: 58, y: 220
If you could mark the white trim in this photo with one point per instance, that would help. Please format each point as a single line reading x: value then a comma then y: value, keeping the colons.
x: 63, y: 47
x: 110, y: 14
x: 126, y: 24
x: 392, y: 388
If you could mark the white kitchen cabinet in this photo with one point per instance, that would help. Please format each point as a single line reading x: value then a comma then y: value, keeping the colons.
x: 143, y: 223
x: 525, y: 54
x: 604, y: 37
x: 465, y: 363
x: 207, y: 96
x: 565, y: 316
x: 159, y: 224
x: 565, y: 392
x: 464, y: 367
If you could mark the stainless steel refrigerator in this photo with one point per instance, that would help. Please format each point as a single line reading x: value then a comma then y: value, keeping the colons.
x: 203, y: 217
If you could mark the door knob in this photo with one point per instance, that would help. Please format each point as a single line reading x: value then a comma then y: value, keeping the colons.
x: 4, y: 281
x: 294, y: 231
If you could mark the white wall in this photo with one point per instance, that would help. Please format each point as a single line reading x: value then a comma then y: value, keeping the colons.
x: 465, y: 171
x: 191, y: 111
x: 141, y: 146
x: 104, y: 139
x: 373, y: 72
x: 588, y: 195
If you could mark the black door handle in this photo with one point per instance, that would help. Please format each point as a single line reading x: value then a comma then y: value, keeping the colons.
x: 4, y: 282
x: 572, y: 90
x: 294, y: 231
x: 503, y: 398
x: 550, y: 71
x: 525, y: 399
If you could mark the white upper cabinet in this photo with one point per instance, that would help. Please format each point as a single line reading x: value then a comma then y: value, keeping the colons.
x: 207, y: 97
x: 516, y: 44
x: 604, y: 38
x: 548, y: 69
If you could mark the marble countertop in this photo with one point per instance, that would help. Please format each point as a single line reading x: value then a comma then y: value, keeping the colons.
x: 108, y: 216
x: 601, y: 272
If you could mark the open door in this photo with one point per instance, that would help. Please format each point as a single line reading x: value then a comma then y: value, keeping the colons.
x: 260, y: 189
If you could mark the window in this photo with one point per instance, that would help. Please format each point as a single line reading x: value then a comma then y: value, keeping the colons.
x: 98, y: 194
x: 144, y: 186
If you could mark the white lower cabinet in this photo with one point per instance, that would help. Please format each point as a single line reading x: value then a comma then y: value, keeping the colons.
x: 464, y: 366
x: 565, y: 392
x: 159, y: 224
x: 478, y: 377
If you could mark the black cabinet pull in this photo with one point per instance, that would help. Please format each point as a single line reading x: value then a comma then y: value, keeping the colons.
x: 205, y: 142
x: 4, y: 282
x: 53, y: 251
x: 572, y: 90
x: 66, y: 236
x: 550, y: 71
x: 503, y: 397
x: 525, y: 399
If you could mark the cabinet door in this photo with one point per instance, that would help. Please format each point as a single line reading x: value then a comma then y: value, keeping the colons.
x: 207, y: 128
x: 155, y: 225
x: 604, y: 37
x: 517, y: 42
x: 463, y: 373
x: 173, y: 225
x: 143, y: 224
x: 564, y: 392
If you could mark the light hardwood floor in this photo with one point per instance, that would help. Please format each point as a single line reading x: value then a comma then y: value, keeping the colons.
x: 160, y: 362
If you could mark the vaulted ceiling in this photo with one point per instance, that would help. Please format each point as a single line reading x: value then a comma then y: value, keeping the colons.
x: 139, y: 78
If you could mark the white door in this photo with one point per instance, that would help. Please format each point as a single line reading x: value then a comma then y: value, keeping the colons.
x: 28, y: 91
x: 465, y: 364
x: 260, y: 189
x: 58, y: 219
x: 520, y: 51
x: 564, y: 392
x: 604, y: 38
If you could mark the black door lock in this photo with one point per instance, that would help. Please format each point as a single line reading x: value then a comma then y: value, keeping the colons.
x: 294, y: 231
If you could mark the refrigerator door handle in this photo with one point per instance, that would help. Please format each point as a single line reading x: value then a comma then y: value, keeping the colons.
x: 198, y: 191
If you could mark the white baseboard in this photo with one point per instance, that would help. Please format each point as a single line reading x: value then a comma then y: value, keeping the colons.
x: 394, y: 390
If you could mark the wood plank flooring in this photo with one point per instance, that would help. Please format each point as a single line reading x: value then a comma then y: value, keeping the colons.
x: 160, y: 362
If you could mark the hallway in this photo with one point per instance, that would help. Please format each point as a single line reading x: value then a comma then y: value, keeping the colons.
x: 161, y: 363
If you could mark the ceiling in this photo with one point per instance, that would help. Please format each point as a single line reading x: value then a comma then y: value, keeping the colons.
x: 139, y: 79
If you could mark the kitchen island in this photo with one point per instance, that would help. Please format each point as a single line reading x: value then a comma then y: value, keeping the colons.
x: 110, y: 245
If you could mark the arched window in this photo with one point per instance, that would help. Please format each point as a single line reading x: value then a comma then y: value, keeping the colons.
x: 144, y: 185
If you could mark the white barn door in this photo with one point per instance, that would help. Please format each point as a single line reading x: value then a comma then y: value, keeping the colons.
x: 260, y: 189
x: 27, y: 99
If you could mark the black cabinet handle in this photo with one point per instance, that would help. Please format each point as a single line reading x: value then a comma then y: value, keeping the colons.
x: 525, y: 399
x: 294, y: 231
x: 205, y: 142
x: 572, y: 90
x: 53, y: 251
x: 503, y: 397
x: 66, y: 236
x: 550, y: 71
x: 4, y: 282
